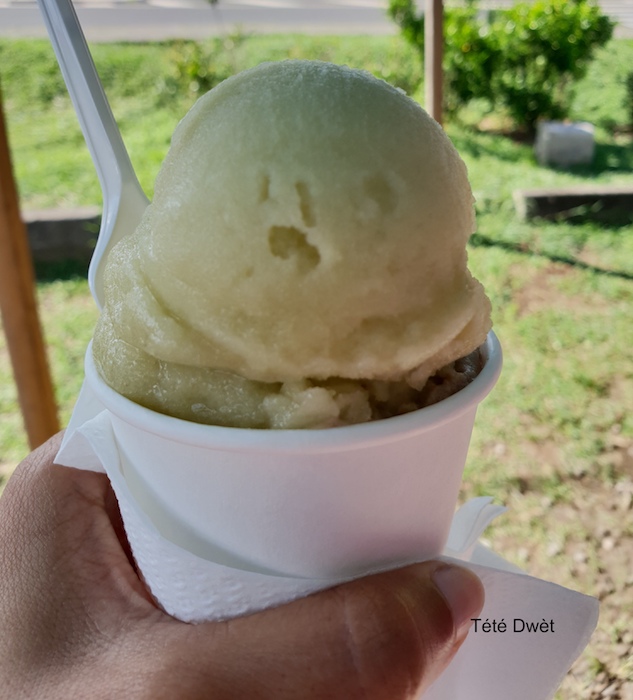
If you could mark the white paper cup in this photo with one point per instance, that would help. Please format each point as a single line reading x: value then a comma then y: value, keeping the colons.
x: 328, y: 503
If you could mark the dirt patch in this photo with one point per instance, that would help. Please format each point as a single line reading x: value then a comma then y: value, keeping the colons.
x: 587, y: 540
x: 543, y: 291
x: 572, y: 522
x: 498, y: 126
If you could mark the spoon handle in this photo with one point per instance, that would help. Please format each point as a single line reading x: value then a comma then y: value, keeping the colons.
x: 100, y: 130
x: 123, y: 199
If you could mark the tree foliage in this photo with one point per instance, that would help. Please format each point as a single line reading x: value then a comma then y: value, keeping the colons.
x: 525, y: 59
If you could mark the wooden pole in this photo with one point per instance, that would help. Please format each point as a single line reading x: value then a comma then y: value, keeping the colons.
x: 19, y: 310
x: 433, y: 50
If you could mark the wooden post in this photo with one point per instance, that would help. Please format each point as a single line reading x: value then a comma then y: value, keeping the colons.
x: 19, y: 310
x: 433, y: 50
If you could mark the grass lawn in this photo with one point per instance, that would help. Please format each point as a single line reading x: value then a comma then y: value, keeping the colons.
x: 554, y: 441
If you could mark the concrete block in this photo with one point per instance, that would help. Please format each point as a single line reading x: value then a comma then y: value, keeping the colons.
x: 558, y: 143
x: 60, y: 235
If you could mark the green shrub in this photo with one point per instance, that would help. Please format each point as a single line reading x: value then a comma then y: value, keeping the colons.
x: 196, y: 67
x: 525, y: 59
x: 601, y: 96
x: 545, y: 48
x: 125, y: 71
x: 193, y: 67
x: 30, y: 72
x: 471, y: 58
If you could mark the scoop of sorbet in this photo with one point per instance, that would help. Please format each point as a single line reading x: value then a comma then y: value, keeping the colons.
x: 303, y: 262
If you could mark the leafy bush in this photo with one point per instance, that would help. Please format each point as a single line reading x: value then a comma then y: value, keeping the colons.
x: 471, y: 58
x: 125, y: 71
x: 545, y: 48
x: 196, y: 67
x: 601, y: 96
x: 525, y: 59
x: 30, y: 72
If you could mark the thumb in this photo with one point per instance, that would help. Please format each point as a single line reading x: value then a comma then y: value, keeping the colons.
x: 383, y: 637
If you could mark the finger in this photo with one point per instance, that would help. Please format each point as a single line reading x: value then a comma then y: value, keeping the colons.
x: 384, y: 637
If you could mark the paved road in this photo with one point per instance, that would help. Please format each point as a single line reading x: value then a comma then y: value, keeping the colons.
x: 138, y: 20
x: 107, y: 20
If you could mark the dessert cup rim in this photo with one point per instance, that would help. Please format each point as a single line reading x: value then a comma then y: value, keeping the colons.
x: 307, y: 439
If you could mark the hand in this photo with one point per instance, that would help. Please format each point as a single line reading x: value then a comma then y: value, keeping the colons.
x: 77, y: 621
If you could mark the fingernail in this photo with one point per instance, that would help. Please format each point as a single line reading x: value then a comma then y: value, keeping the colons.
x: 463, y: 592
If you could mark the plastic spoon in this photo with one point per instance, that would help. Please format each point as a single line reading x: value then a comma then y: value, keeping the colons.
x: 123, y: 199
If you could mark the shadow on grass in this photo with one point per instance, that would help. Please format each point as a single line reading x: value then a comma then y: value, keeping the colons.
x: 477, y: 143
x: 478, y: 240
x: 76, y: 269
x: 73, y: 269
x: 515, y: 148
x: 608, y: 158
